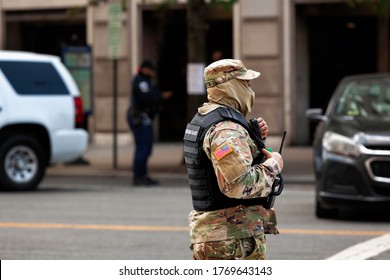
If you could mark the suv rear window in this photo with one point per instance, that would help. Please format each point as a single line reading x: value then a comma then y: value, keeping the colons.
x: 33, y: 78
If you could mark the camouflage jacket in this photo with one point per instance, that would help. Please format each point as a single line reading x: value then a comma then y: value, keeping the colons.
x: 237, y: 178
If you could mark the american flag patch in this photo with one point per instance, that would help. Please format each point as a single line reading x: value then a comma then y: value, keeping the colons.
x: 222, y: 151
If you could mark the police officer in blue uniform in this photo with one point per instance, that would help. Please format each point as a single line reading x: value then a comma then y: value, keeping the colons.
x: 145, y: 103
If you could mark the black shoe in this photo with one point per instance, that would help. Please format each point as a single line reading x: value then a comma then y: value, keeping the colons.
x: 139, y: 182
x: 78, y: 161
x: 151, y: 181
x: 145, y: 181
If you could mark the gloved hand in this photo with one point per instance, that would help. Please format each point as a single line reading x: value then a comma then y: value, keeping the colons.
x: 263, y: 128
x: 275, y: 155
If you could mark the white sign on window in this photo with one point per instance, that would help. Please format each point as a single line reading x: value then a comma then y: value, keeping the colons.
x: 195, y: 80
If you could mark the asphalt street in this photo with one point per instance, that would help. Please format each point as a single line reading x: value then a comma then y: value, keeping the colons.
x: 167, y: 166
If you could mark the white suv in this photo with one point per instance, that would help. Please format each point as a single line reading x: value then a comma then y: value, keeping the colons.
x: 40, y: 106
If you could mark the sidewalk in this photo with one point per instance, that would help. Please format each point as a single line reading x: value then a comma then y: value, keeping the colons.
x: 167, y: 159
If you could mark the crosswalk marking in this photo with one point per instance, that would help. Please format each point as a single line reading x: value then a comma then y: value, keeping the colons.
x: 365, y: 250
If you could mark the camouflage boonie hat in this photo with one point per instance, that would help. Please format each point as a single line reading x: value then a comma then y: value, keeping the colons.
x: 226, y: 69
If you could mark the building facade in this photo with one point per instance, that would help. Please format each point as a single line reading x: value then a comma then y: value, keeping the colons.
x: 301, y: 47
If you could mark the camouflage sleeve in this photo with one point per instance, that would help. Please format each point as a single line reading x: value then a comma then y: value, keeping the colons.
x: 231, y: 150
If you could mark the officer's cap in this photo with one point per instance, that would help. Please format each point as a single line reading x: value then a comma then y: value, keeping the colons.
x: 226, y: 69
x: 147, y: 64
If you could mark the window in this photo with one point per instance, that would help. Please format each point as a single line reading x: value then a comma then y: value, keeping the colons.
x: 33, y: 78
x: 366, y: 98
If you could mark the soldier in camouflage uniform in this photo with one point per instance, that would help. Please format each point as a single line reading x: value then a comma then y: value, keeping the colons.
x: 237, y: 230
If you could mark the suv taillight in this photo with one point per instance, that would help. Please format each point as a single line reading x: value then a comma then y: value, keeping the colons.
x: 79, y: 112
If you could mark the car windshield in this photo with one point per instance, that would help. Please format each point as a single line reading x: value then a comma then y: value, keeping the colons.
x: 365, y: 98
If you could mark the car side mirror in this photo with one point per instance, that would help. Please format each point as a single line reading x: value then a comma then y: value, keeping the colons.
x: 315, y: 114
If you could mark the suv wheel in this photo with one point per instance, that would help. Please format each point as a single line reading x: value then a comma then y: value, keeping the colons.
x: 322, y: 212
x: 22, y: 163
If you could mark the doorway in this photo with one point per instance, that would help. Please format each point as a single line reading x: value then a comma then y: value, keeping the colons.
x: 339, y: 46
x: 165, y: 41
x: 332, y: 41
x: 44, y: 31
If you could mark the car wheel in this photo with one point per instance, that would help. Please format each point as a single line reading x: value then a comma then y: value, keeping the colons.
x: 22, y: 163
x: 326, y: 213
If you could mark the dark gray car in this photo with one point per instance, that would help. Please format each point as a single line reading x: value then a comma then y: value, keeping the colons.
x: 352, y: 146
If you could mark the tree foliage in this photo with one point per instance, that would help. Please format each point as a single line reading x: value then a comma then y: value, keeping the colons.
x: 381, y: 7
x: 97, y: 2
x: 226, y: 4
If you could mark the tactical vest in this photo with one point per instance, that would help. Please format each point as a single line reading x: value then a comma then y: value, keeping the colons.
x: 206, y: 195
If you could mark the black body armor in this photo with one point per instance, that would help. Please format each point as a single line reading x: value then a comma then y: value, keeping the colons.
x: 206, y: 195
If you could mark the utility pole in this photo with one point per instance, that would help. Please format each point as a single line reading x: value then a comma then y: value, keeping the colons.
x: 114, y: 37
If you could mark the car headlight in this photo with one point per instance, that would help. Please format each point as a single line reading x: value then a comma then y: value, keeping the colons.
x: 339, y: 144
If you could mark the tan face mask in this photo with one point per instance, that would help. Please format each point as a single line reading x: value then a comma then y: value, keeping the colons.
x: 233, y: 93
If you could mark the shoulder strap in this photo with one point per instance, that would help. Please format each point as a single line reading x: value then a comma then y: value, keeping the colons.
x: 233, y: 115
x: 200, y: 124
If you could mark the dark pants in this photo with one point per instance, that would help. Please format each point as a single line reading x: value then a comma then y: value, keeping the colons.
x: 143, y: 136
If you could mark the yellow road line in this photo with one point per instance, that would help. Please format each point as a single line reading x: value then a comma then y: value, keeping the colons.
x: 91, y: 226
x: 176, y: 228
x: 332, y: 232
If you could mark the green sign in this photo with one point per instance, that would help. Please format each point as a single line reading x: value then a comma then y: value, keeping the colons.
x: 114, y: 30
x: 78, y: 60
